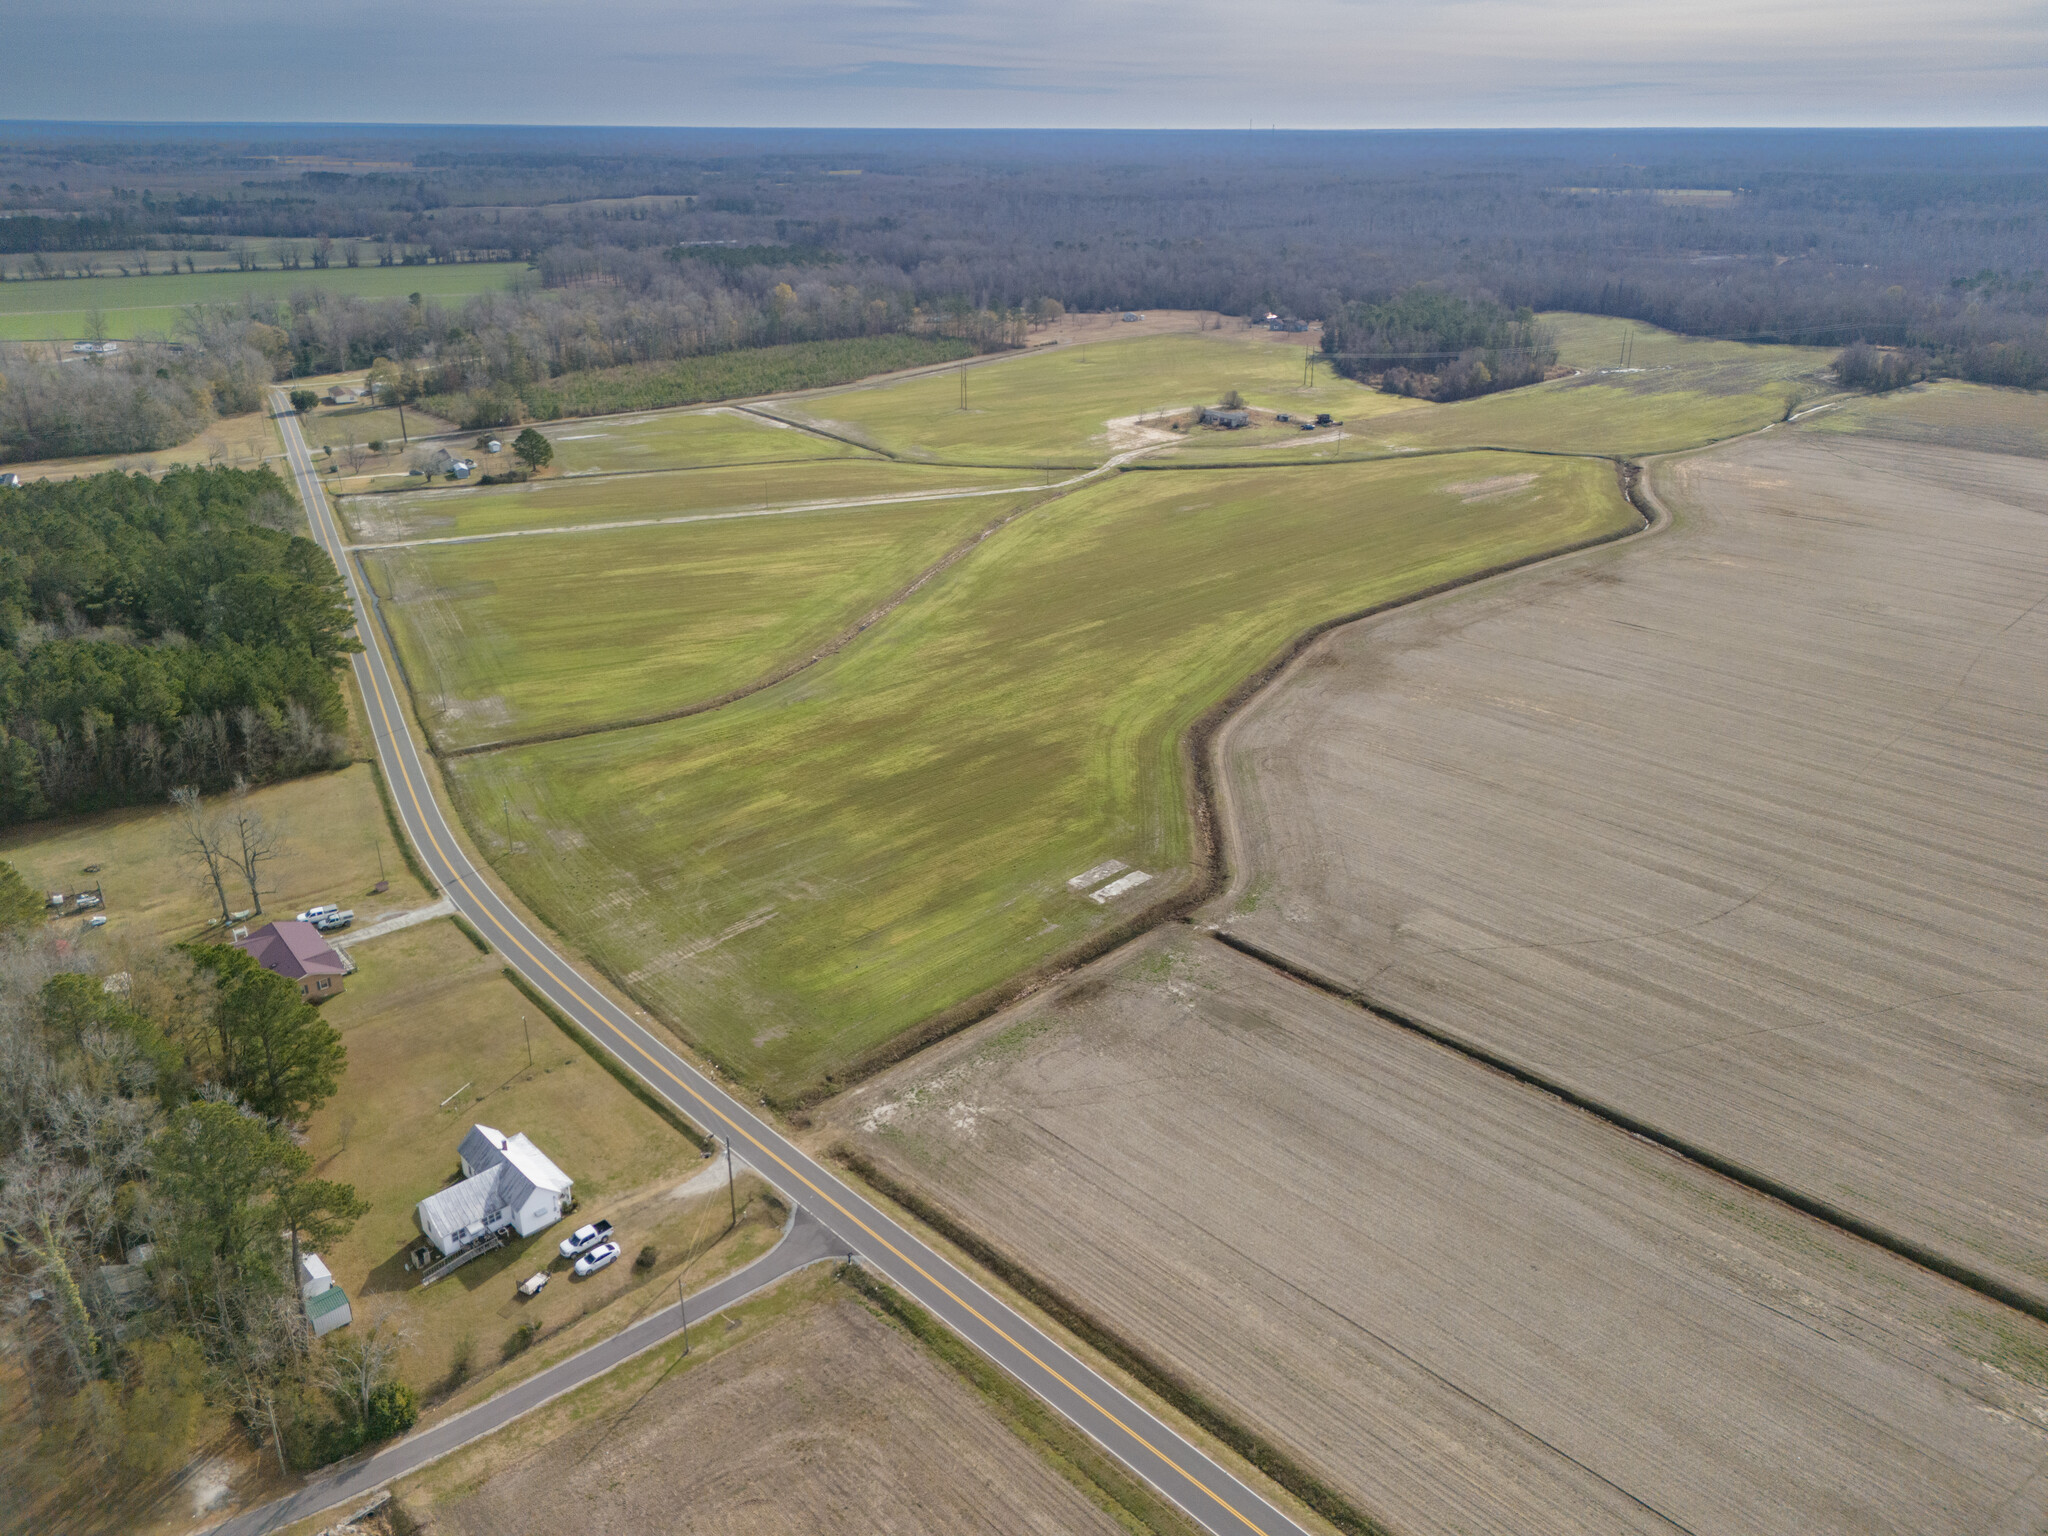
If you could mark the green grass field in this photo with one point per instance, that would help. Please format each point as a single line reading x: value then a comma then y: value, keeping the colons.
x: 61, y: 308
x: 458, y: 512
x: 563, y: 631
x: 680, y: 439
x: 797, y: 878
x: 1678, y: 392
x: 1055, y: 406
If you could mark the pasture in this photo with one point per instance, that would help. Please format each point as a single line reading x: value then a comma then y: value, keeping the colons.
x: 573, y: 630
x: 576, y: 501
x: 1737, y: 829
x: 63, y: 308
x: 1078, y: 404
x: 1674, y: 392
x: 682, y: 439
x: 1461, y: 1302
x: 798, y: 878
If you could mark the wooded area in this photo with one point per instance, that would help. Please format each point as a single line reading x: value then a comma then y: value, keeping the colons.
x: 155, y: 634
x: 650, y: 246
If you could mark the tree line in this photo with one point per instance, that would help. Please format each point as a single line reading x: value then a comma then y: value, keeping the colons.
x: 162, y: 633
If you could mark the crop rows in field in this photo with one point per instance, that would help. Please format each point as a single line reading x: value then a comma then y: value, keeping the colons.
x: 1740, y: 834
x: 1463, y: 1304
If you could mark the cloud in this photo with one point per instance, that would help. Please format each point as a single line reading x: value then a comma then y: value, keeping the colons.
x: 1046, y: 63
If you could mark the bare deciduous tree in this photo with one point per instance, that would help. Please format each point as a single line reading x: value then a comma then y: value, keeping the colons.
x: 201, y: 841
x: 355, y: 1365
x: 249, y: 840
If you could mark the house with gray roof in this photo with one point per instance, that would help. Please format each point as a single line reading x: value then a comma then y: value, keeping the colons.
x: 508, y: 1183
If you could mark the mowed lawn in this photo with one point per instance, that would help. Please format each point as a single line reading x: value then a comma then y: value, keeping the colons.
x: 336, y: 845
x: 428, y: 1018
x: 679, y: 439
x: 797, y: 878
x: 1056, y: 405
x: 461, y: 511
x: 62, y: 308
x: 511, y: 636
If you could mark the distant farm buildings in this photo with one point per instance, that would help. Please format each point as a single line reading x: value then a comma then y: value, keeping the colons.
x: 295, y: 951
x: 1225, y: 416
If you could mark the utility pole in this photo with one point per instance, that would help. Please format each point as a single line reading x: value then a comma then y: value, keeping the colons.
x: 528, y: 1028
x: 731, y: 1198
x: 963, y: 386
x: 506, y: 807
x: 683, y: 1302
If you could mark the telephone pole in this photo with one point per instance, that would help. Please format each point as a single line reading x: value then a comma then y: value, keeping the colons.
x: 731, y: 1199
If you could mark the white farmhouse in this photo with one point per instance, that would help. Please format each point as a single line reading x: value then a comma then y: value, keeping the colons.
x: 507, y: 1182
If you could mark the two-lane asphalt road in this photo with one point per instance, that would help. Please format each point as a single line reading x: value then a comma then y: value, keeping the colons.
x: 1125, y: 1429
x: 804, y: 1242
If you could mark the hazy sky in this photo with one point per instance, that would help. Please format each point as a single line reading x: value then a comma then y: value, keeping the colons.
x: 1030, y: 63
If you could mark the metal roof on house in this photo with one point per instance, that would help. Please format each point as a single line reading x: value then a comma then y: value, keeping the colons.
x: 460, y: 1206
x: 486, y: 1145
x: 293, y: 949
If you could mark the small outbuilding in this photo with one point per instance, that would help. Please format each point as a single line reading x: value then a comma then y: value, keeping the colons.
x: 326, y: 1304
x: 1222, y: 416
x: 341, y: 394
x: 507, y: 1183
x: 295, y: 951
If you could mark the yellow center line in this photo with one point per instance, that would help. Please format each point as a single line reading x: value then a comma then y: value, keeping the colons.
x: 412, y: 789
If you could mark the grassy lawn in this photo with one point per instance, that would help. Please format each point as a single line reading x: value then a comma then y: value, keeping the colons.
x: 519, y: 635
x: 679, y: 439
x: 427, y: 1017
x: 336, y: 835
x: 552, y: 502
x: 61, y: 308
x: 1055, y: 405
x: 797, y: 878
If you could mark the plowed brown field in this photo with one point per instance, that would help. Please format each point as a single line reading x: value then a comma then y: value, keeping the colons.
x: 1742, y: 829
x: 1467, y: 1305
x: 829, y: 1420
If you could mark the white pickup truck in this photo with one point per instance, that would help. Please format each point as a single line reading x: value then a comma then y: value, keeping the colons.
x: 583, y: 1239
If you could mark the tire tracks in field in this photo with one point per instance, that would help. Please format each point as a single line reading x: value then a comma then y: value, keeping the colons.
x: 1057, y: 491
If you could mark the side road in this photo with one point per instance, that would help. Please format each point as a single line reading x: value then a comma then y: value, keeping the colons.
x: 804, y: 1242
x: 1153, y: 1451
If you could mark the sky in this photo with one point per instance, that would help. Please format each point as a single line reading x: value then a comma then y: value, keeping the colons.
x: 1031, y: 63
